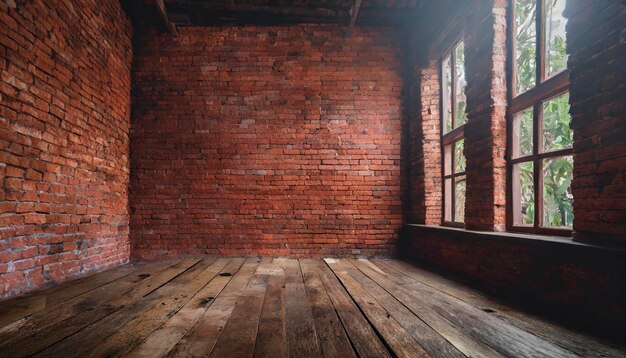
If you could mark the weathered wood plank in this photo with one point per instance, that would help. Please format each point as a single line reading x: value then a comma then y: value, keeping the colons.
x: 160, y: 342
x: 87, y: 301
x: 34, y: 339
x: 499, y: 335
x: 302, y: 338
x: 364, y: 339
x: 280, y: 307
x: 332, y: 337
x: 469, y: 346
x: 270, y: 339
x: 201, y: 339
x: 20, y: 307
x: 133, y: 332
x: 423, y: 332
x: 239, y: 334
x: 398, y: 339
x: 126, y: 308
x: 578, y: 343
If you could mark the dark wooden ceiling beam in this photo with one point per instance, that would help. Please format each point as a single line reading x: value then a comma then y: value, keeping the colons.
x: 160, y: 5
x: 354, y: 13
x: 149, y: 14
x: 207, y: 14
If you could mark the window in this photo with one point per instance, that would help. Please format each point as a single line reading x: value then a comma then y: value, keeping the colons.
x: 454, y: 117
x: 540, y: 138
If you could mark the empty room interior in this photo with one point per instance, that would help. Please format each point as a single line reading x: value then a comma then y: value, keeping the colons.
x: 312, y: 178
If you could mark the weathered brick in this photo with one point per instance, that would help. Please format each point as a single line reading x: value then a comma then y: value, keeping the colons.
x: 275, y: 140
x: 48, y: 170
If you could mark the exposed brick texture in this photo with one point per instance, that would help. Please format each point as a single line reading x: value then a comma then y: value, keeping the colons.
x: 578, y: 282
x: 425, y: 142
x: 64, y: 122
x: 483, y: 25
x: 595, y: 43
x: 485, y: 131
x: 268, y: 140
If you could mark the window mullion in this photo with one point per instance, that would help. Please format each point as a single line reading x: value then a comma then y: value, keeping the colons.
x: 537, y: 165
x: 453, y: 86
x: 453, y: 181
x: 541, y: 41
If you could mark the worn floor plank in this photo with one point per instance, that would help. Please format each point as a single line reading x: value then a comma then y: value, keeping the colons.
x: 136, y: 330
x: 363, y: 337
x: 302, y: 338
x: 580, y: 344
x: 332, y: 336
x: 278, y: 307
x: 160, y: 342
x: 55, y: 333
x: 201, y: 339
x: 88, y: 337
x: 400, y: 341
x: 270, y: 339
x: 447, y: 329
x: 498, y: 334
x: 419, y: 327
x: 239, y: 333
x: 13, y: 310
x: 89, y: 300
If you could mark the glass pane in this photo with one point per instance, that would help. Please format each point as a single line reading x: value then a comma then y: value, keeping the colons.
x: 448, y: 198
x: 556, y: 57
x: 523, y: 194
x: 459, y: 158
x: 447, y: 158
x: 525, y: 40
x: 523, y: 133
x: 446, y: 93
x: 459, y: 200
x: 460, y: 117
x: 557, y: 192
x: 556, y: 131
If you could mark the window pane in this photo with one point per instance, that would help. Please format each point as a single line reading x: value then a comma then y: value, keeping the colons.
x: 459, y: 200
x: 525, y: 40
x: 447, y: 160
x: 557, y: 192
x: 556, y: 57
x: 459, y: 158
x: 446, y: 93
x: 556, y: 130
x: 448, y: 198
x: 461, y: 102
x: 523, y: 133
x: 523, y: 194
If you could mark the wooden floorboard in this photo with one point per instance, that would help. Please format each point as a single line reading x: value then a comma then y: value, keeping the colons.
x: 270, y: 339
x: 580, y: 344
x: 332, y: 336
x: 201, y: 339
x: 278, y: 307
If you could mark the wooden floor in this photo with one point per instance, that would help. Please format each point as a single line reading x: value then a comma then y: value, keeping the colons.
x: 274, y: 307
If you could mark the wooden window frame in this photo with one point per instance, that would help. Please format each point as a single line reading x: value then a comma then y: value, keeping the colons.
x: 545, y: 89
x: 450, y: 138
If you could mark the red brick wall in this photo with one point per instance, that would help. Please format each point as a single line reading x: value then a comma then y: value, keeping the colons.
x: 425, y: 147
x: 64, y: 122
x: 482, y: 27
x: 595, y: 42
x: 485, y: 131
x: 270, y: 140
x: 597, y: 109
x: 583, y: 282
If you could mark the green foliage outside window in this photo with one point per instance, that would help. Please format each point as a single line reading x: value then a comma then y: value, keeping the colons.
x: 555, y: 132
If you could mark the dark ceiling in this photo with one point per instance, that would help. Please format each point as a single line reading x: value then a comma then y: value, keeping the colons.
x: 219, y: 12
